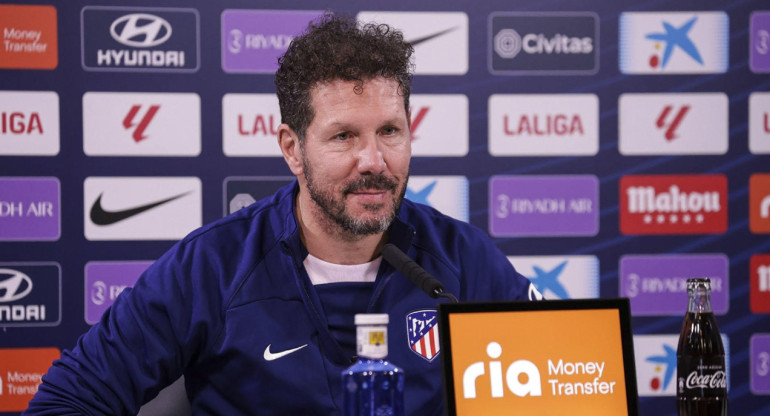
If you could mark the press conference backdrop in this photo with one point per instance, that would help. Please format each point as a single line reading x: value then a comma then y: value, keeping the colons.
x: 610, y: 148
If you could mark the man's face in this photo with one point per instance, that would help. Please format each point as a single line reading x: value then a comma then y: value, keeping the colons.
x: 355, y: 155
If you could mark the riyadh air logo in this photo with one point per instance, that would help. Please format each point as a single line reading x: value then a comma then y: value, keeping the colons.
x: 105, y: 281
x: 141, y: 30
x: 422, y: 333
x: 141, y: 124
x: 759, y: 48
x: 677, y: 42
x: 15, y: 285
x: 561, y: 277
x: 439, y: 124
x: 448, y: 194
x: 253, y: 40
x: 141, y: 208
x: 440, y: 39
x: 680, y: 124
x: 140, y: 39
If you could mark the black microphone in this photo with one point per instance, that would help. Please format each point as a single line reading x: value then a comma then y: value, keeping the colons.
x: 419, y: 276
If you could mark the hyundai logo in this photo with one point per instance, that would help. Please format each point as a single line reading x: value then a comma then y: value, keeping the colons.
x: 140, y: 30
x: 14, y: 285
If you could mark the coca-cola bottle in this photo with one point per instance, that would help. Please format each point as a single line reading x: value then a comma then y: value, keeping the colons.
x: 700, y: 358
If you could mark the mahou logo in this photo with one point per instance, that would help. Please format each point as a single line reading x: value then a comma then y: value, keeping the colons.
x: 673, y: 204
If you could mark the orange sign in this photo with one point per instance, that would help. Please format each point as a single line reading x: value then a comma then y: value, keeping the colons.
x: 513, y: 366
x: 20, y: 372
x: 28, y: 37
x: 759, y: 203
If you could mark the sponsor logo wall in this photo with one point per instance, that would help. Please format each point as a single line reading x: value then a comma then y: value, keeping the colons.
x: 601, y: 169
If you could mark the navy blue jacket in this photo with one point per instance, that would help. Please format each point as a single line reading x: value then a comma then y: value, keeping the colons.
x: 209, y: 307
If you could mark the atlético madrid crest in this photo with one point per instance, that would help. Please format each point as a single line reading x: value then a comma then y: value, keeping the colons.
x: 422, y: 333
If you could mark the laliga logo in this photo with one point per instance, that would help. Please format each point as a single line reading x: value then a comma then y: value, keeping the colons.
x: 494, y: 350
x: 15, y: 287
x: 140, y: 30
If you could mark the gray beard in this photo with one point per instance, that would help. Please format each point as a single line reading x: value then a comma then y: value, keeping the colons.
x: 336, y: 211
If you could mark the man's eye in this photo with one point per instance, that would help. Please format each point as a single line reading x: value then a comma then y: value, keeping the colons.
x: 342, y: 136
x: 389, y: 130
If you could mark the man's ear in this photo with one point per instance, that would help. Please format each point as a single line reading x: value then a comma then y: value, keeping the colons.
x: 288, y: 141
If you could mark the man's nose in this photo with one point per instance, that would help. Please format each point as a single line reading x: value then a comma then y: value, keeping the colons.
x: 370, y: 158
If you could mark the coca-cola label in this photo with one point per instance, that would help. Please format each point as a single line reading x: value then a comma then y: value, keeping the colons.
x: 701, y: 376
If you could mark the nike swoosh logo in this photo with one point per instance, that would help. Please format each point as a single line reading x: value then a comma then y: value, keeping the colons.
x: 417, y: 41
x: 269, y: 356
x: 100, y: 216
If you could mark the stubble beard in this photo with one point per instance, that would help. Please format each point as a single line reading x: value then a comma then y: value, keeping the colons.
x: 335, y: 210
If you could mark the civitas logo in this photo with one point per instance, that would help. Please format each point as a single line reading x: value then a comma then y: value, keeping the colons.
x: 532, y: 386
x: 670, y: 204
x: 140, y: 30
x: 508, y: 43
x: 14, y: 285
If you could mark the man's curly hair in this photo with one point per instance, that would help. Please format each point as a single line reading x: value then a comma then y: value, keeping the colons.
x: 335, y: 48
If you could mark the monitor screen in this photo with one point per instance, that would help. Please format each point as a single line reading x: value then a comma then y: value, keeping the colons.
x: 555, y: 357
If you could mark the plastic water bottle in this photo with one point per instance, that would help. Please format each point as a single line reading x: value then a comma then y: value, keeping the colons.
x: 373, y: 386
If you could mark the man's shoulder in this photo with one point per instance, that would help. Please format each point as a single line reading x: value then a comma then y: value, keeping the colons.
x: 269, y: 217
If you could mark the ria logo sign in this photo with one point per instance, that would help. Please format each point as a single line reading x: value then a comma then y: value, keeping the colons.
x: 147, y: 208
x: 673, y: 204
x: 141, y: 124
x: 544, y: 43
x: 673, y: 124
x: 673, y: 43
x: 140, y: 39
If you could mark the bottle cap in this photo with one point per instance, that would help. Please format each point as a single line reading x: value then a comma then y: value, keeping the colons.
x: 700, y: 281
x: 371, y: 319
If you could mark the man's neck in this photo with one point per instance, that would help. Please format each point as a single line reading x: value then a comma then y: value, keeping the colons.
x: 327, y: 241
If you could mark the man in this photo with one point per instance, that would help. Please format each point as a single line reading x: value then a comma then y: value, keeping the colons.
x: 256, y: 310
